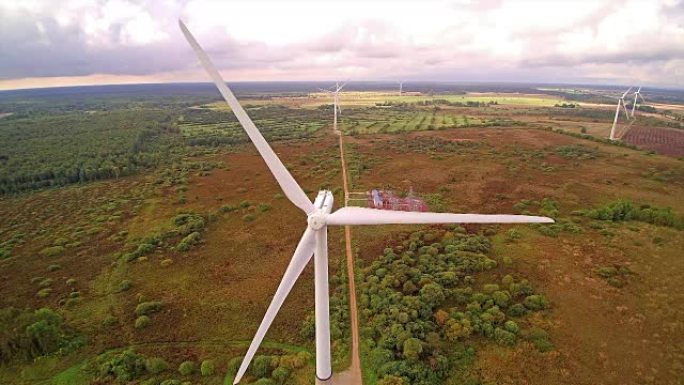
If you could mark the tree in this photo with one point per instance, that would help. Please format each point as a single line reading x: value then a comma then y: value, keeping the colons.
x: 413, y: 347
x: 432, y: 294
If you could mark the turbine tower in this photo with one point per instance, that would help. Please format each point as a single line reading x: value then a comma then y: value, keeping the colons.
x: 314, y: 241
x: 401, y: 86
x: 621, y: 101
x: 637, y: 95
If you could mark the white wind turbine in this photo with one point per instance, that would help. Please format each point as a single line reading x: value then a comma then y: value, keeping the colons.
x: 621, y: 101
x: 637, y: 95
x: 336, y: 102
x: 314, y: 241
x: 401, y: 87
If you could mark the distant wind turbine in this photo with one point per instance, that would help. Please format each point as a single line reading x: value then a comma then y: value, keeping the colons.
x: 401, y: 86
x: 314, y: 241
x: 637, y: 95
x: 621, y: 101
x: 336, y: 102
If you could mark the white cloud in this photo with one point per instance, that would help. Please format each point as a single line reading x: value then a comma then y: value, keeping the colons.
x: 565, y: 40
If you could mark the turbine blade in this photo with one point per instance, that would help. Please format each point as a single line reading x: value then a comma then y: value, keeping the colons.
x: 367, y: 216
x: 626, y: 92
x: 287, y: 183
x: 301, y: 257
x: 339, y: 88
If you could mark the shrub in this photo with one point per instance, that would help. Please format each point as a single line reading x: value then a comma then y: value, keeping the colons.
x: 207, y: 368
x: 125, y: 285
x: 142, y: 322
x: 228, y: 208
x: 263, y: 207
x: 110, y: 320
x: 511, y: 327
x: 234, y: 365
x: 156, y: 365
x: 280, y: 375
x: 244, y: 204
x: 146, y: 308
x: 166, y: 262
x: 71, y: 282
x: 261, y: 366
x: 501, y: 298
x: 504, y: 337
x: 186, y: 368
x: 248, y: 217
x: 123, y: 367
x: 536, y: 302
x: 52, y: 251
x: 46, y: 282
x: 490, y: 288
x: 42, y: 293
x: 539, y: 338
x: 517, y: 310
x: 54, y: 267
x: 606, y: 271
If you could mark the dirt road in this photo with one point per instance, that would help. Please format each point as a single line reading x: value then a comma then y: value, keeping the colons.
x: 351, y: 376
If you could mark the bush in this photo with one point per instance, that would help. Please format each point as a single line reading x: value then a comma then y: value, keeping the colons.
x: 606, y: 271
x: 504, y: 337
x: 511, y: 327
x: 125, y: 285
x: 207, y: 368
x: 263, y: 207
x: 156, y: 365
x: 43, y: 293
x: 146, y: 308
x: 142, y: 322
x: 186, y: 368
x: 234, y: 365
x: 110, y: 320
x: 536, y: 302
x: 228, y: 208
x: 261, y: 366
x: 52, y: 251
x: 280, y: 375
x: 248, y: 217
x: 517, y: 310
x: 54, y: 267
x: 123, y: 367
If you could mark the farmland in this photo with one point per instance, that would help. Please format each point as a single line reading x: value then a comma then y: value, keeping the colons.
x: 142, y: 237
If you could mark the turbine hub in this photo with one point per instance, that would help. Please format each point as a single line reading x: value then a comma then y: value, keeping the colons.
x: 316, y: 221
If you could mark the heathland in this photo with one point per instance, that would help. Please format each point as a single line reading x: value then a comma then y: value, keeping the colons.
x: 142, y: 237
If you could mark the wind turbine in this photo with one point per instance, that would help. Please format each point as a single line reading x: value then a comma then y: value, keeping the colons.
x: 637, y: 95
x: 401, y: 86
x: 621, y: 101
x: 336, y: 102
x: 314, y: 241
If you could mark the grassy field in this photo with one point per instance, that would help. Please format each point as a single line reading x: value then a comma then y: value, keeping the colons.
x: 177, y: 260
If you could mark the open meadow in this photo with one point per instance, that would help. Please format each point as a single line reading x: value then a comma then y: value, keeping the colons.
x: 142, y: 238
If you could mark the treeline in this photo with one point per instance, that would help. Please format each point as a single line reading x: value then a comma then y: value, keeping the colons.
x: 60, y: 150
x: 438, y: 102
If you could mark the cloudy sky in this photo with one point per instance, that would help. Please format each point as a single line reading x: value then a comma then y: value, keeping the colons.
x: 73, y: 42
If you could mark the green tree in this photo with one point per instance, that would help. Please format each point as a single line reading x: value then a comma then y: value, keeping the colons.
x: 413, y: 347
